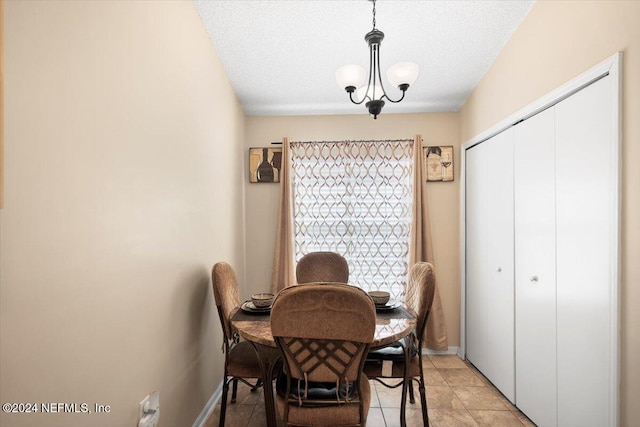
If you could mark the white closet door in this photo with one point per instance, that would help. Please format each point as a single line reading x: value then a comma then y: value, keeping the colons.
x: 535, y: 268
x: 500, y: 287
x: 476, y: 254
x: 490, y: 289
x: 585, y: 190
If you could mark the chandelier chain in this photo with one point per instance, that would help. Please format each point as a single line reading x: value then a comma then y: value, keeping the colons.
x: 374, y: 14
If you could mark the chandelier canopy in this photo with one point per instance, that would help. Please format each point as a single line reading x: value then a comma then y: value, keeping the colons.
x: 352, y: 77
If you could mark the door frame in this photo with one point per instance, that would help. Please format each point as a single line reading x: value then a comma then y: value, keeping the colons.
x: 612, y: 67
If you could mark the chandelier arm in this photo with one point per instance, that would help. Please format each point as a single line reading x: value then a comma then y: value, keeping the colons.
x: 375, y: 71
x: 371, y: 63
x: 396, y: 101
x: 371, y: 75
x: 352, y: 100
x: 384, y: 92
x: 366, y: 94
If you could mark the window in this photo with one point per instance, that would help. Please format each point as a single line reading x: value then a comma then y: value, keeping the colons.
x: 355, y: 198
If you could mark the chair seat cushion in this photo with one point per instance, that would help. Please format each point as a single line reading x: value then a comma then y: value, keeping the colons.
x: 243, y: 361
x: 393, y: 352
x: 316, y: 392
x: 317, y: 415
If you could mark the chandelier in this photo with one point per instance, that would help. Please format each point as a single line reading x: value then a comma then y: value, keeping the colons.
x: 402, y: 75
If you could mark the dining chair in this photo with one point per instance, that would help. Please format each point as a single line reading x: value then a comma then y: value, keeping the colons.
x: 240, y: 358
x: 405, y: 356
x: 322, y: 267
x: 324, y: 331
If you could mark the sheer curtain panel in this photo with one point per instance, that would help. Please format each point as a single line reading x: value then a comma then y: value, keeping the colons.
x: 354, y: 198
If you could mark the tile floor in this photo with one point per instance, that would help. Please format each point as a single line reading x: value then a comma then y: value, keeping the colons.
x: 457, y: 395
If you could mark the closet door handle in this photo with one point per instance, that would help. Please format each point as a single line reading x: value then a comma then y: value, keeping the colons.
x: 499, y: 269
x: 533, y: 278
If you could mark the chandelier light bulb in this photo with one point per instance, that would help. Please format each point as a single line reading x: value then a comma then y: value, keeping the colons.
x: 350, y: 75
x: 403, y: 73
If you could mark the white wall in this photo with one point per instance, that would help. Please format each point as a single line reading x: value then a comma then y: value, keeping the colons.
x: 123, y: 185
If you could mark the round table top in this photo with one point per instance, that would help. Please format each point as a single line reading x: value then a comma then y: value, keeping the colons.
x: 391, y: 326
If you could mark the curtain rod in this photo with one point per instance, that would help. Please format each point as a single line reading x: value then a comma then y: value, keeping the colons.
x: 348, y: 140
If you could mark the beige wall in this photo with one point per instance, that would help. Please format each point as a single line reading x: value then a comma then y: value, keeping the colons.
x: 556, y: 42
x: 123, y: 184
x: 262, y: 199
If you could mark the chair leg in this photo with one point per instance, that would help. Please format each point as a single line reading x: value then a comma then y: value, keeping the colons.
x: 223, y: 403
x: 412, y: 398
x: 234, y: 393
x: 403, y: 404
x: 422, y: 390
x: 423, y: 402
x: 257, y: 386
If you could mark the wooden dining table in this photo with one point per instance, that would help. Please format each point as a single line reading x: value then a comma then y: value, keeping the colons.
x: 391, y: 326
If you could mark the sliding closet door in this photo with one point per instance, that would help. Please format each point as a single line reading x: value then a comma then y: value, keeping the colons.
x: 585, y: 191
x: 500, y: 312
x: 535, y: 267
x: 489, y: 269
x: 476, y: 254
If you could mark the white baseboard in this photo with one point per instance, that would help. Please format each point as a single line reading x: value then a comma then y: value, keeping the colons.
x: 450, y: 350
x: 209, y: 407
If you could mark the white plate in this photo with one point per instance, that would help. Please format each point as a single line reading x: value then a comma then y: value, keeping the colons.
x: 390, y: 305
x: 248, y: 306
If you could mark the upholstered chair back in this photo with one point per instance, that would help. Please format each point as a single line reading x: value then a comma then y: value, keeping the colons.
x: 225, y: 292
x: 420, y: 290
x: 324, y: 331
x: 336, y: 316
x: 322, y: 267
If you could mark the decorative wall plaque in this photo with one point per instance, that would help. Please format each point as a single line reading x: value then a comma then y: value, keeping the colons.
x: 265, y: 164
x: 438, y: 162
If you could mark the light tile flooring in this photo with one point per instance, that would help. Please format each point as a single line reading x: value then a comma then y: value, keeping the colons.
x: 457, y: 395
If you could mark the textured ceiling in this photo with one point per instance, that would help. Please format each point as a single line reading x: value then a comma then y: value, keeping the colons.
x: 281, y: 55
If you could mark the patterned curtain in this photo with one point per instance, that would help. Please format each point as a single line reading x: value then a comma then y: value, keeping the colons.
x: 356, y: 198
